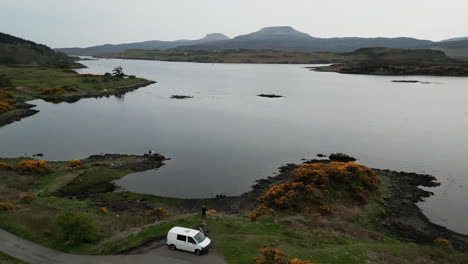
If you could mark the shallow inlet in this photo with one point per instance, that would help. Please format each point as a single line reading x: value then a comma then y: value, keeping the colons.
x: 226, y: 137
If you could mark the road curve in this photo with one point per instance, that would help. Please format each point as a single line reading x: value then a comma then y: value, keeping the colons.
x: 36, y: 254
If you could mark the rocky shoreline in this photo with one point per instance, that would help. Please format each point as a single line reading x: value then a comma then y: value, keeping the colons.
x: 110, y: 92
x: 21, y: 111
x: 24, y: 110
x: 405, y: 219
x: 391, y: 68
x: 402, y: 216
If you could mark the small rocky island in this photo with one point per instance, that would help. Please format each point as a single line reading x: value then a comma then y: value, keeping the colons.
x: 270, y: 95
x: 181, y: 97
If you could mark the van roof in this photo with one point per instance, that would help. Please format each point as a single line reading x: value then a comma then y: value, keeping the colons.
x: 184, y: 231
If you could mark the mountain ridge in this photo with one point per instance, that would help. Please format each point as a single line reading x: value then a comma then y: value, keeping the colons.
x: 283, y: 38
x: 149, y: 44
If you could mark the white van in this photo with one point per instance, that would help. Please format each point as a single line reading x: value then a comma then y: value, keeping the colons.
x: 188, y: 239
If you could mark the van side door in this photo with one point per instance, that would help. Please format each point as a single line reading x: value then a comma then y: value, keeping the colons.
x: 182, y: 242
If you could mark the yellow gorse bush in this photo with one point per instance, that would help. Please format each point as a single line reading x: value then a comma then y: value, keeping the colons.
x: 5, y: 166
x: 276, y: 256
x: 312, y: 183
x: 442, y: 242
x: 33, y: 166
x: 74, y: 165
x: 6, y: 102
x: 158, y: 213
x: 26, y: 198
x: 7, y: 206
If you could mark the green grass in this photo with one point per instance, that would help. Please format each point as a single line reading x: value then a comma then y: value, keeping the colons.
x: 239, y: 240
x: 148, y: 234
x: 37, y: 78
x: 6, y: 259
x: 130, y: 196
x: 94, y: 180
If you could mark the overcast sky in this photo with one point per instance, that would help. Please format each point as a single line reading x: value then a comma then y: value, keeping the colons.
x: 66, y: 23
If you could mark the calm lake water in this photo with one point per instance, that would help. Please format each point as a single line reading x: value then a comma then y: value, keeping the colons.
x: 226, y: 137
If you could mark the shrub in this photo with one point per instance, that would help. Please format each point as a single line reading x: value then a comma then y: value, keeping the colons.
x: 33, y: 166
x: 26, y: 198
x: 341, y: 157
x: 442, y: 242
x: 117, y: 72
x: 51, y: 91
x: 76, y: 228
x: 6, y: 102
x: 276, y: 256
x: 87, y: 75
x: 76, y: 164
x: 259, y: 211
x: 158, y: 213
x: 312, y: 184
x: 5, y: 166
x: 298, y: 261
x: 271, y: 256
x: 104, y: 210
x: 7, y: 206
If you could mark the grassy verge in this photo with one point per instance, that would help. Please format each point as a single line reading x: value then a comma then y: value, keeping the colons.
x: 6, y: 259
x: 239, y: 240
x: 148, y: 234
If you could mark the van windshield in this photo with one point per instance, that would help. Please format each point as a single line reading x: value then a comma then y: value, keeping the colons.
x: 200, y: 237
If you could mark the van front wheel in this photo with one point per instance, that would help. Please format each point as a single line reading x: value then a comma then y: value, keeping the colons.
x: 197, y: 252
x: 172, y: 247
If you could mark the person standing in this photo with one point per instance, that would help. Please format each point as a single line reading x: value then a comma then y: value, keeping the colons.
x: 203, y: 212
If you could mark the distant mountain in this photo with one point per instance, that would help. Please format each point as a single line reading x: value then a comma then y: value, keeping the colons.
x: 146, y: 45
x: 454, y: 39
x: 14, y: 50
x: 289, y: 39
x: 462, y: 43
